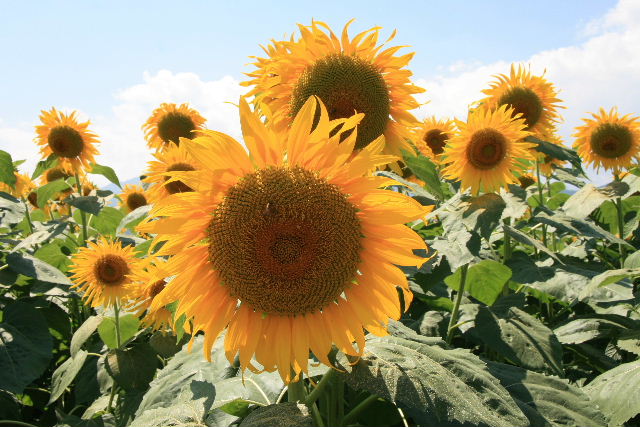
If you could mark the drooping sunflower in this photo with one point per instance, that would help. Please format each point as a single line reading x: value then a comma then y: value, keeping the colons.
x: 102, y: 272
x: 148, y: 282
x: 292, y: 246
x: 535, y: 98
x: 133, y: 197
x: 488, y: 151
x: 22, y: 187
x: 348, y: 75
x: 609, y: 140
x: 62, y: 134
x: 170, y: 122
x: 173, y: 159
x: 432, y: 137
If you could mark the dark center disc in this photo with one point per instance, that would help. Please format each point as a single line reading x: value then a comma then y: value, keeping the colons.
x: 611, y: 140
x: 174, y: 126
x: 436, y: 140
x: 285, y: 241
x: 178, y: 186
x: 111, y: 270
x: 53, y: 174
x: 346, y: 85
x: 526, y: 101
x: 486, y: 149
x: 135, y: 200
x: 65, y: 141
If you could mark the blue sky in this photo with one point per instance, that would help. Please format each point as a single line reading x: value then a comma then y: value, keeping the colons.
x: 112, y: 60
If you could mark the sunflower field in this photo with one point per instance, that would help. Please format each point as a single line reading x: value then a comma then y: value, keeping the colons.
x: 345, y: 263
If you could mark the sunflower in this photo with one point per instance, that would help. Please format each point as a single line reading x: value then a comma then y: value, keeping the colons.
x: 532, y: 96
x: 173, y: 159
x: 133, y: 197
x: 347, y: 75
x: 432, y: 136
x: 64, y: 136
x: 170, y: 122
x: 22, y: 187
x: 608, y: 140
x: 290, y: 247
x: 102, y: 271
x: 548, y: 163
x: 488, y: 151
x: 526, y: 180
x: 146, y: 284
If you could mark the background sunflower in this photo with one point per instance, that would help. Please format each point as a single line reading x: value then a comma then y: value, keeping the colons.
x: 433, y: 135
x: 133, y: 197
x: 170, y: 122
x: 173, y: 159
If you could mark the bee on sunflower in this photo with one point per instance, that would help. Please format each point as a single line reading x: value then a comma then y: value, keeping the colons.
x: 432, y: 137
x: 170, y: 122
x: 291, y: 247
x: 488, y: 151
x: 133, y: 197
x: 63, y: 135
x: 348, y: 75
x: 608, y: 140
x: 174, y: 159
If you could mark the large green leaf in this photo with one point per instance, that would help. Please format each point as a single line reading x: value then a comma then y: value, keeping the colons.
x: 105, y: 171
x: 7, y: 174
x: 528, y: 240
x: 616, y: 392
x: 288, y: 414
x: 588, y: 198
x: 485, y: 280
x: 25, y: 346
x: 435, y: 385
x: 65, y: 374
x: 607, y: 278
x: 83, y: 333
x: 593, y: 326
x: 89, y: 204
x: 107, y: 221
x: 11, y: 210
x: 548, y: 401
x: 483, y: 214
x: 47, y: 191
x: 132, y: 368
x: 129, y: 325
x: 33, y: 267
x: 45, y: 164
x: 576, y: 227
x: 517, y: 336
x: 425, y: 170
x: 134, y: 217
x: 556, y: 151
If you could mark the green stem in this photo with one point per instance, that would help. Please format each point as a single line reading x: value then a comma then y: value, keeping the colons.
x: 116, y: 312
x: 541, y: 201
x: 4, y: 266
x: 16, y: 423
x: 83, y: 215
x: 339, y: 383
x: 507, y: 241
x: 26, y: 209
x: 317, y: 418
x: 111, y: 396
x: 321, y: 386
x: 353, y: 414
x: 621, y: 248
x: 296, y: 391
x: 456, y: 306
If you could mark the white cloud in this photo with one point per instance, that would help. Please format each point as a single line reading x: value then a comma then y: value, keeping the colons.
x: 18, y: 141
x: 602, y: 71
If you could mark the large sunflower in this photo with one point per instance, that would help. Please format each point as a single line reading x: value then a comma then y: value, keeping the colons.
x: 158, y: 174
x: 133, y: 197
x: 608, y: 140
x: 432, y: 137
x: 170, y: 122
x: 148, y: 282
x: 488, y: 150
x: 291, y: 247
x: 348, y: 75
x: 63, y: 135
x: 532, y: 96
x: 102, y: 271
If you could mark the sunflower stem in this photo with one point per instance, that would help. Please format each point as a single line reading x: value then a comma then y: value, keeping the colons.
x: 321, y: 386
x: 28, y: 214
x: 116, y: 313
x: 507, y: 241
x: 541, y: 202
x: 621, y: 248
x: 296, y: 391
x: 353, y: 414
x: 83, y: 215
x: 456, y: 306
x: 317, y: 418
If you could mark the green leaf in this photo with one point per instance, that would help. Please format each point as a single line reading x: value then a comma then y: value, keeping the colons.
x: 515, y: 200
x: 528, y: 240
x: 12, y: 210
x: 484, y: 213
x: 132, y: 368
x: 106, y: 223
x: 571, y: 176
x: 128, y: 328
x: 559, y: 152
x: 33, y: 267
x: 52, y: 253
x: 576, y: 227
x: 517, y: 336
x: 42, y: 235
x: 616, y: 392
x: 459, y: 247
x: 289, y: 414
x: 83, y: 333
x: 65, y: 374
x: 633, y: 260
x: 435, y: 385
x: 105, y: 171
x: 89, y: 204
x: 425, y: 170
x: 485, y: 280
x: 607, y: 278
x: 25, y: 346
x: 237, y: 407
x: 588, y: 198
x: 548, y: 401
x: 7, y: 174
x: 134, y: 218
x: 47, y: 191
x: 43, y: 165
x: 594, y: 326
x: 165, y: 344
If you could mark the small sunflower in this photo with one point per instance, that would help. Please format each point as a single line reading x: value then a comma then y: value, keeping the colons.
x: 348, y: 75
x: 133, y: 197
x: 22, y: 188
x: 432, y: 137
x: 63, y: 135
x: 608, y: 140
x: 170, y: 122
x: 291, y: 247
x: 148, y: 282
x: 158, y: 174
x: 102, y: 271
x: 488, y: 151
x: 531, y: 96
